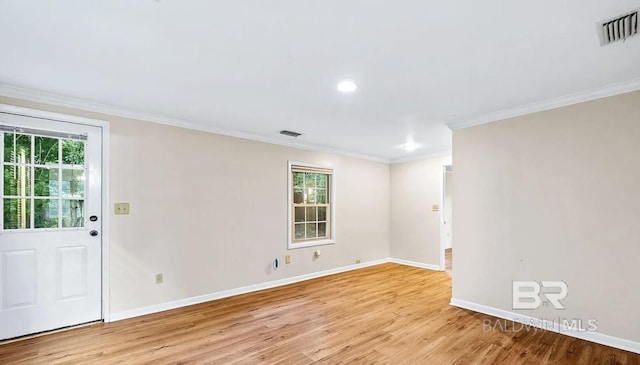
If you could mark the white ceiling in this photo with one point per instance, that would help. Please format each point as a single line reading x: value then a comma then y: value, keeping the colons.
x: 253, y: 68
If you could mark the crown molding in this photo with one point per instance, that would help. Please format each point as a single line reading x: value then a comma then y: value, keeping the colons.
x: 442, y: 153
x: 73, y: 103
x: 565, y: 100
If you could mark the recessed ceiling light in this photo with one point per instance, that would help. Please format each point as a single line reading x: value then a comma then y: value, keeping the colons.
x: 410, y: 146
x: 347, y: 86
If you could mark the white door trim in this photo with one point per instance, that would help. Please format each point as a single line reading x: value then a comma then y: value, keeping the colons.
x: 105, y: 126
x: 443, y: 234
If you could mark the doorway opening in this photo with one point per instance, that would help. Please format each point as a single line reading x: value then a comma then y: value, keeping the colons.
x: 446, y: 220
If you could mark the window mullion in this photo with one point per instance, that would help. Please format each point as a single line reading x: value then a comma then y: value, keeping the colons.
x: 32, y: 180
x: 59, y: 197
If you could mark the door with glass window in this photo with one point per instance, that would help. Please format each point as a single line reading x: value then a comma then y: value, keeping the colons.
x: 50, y: 229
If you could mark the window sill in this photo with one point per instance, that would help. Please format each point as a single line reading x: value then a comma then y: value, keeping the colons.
x: 293, y: 245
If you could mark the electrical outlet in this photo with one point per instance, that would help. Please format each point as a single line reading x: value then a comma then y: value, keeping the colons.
x: 287, y: 259
x: 357, y: 261
x: 121, y: 208
x: 159, y: 278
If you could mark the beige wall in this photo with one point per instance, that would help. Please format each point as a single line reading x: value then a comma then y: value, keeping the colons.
x: 415, y: 229
x: 553, y: 196
x: 210, y: 211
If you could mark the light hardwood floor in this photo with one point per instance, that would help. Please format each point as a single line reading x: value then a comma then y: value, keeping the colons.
x: 448, y: 260
x: 386, y: 314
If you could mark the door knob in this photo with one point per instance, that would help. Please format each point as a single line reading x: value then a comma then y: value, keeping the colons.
x: 93, y: 233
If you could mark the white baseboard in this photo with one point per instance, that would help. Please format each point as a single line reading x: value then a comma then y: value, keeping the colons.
x: 131, y: 313
x: 596, y: 337
x: 117, y: 316
x: 592, y: 336
x: 415, y: 264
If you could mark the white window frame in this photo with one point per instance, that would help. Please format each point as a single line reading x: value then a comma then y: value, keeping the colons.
x: 291, y: 244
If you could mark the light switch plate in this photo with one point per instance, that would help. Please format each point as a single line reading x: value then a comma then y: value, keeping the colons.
x: 121, y: 208
x: 436, y: 208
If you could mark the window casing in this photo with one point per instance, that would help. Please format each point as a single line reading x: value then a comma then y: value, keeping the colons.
x: 311, y: 205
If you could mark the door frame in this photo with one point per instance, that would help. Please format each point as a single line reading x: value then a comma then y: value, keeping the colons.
x: 105, y: 128
x: 443, y: 236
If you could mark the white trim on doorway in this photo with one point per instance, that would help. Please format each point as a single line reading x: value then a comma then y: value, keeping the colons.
x: 443, y: 233
x: 104, y: 125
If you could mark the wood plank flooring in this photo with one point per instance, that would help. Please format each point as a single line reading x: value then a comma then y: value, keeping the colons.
x: 448, y: 260
x: 385, y: 314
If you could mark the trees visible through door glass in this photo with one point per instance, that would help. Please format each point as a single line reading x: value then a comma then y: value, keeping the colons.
x: 17, y: 148
x: 17, y: 213
x: 17, y: 180
x: 73, y: 152
x: 45, y: 213
x: 46, y: 150
x: 44, y: 182
x: 73, y: 183
x: 72, y: 213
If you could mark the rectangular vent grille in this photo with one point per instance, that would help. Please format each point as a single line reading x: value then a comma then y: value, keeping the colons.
x: 619, y: 29
x: 290, y: 133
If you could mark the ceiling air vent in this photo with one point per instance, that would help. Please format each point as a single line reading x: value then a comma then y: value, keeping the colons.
x: 290, y: 133
x: 619, y: 28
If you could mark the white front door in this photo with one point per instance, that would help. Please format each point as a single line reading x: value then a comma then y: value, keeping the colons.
x: 50, y: 231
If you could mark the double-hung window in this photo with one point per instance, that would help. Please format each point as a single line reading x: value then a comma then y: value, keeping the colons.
x: 311, y: 218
